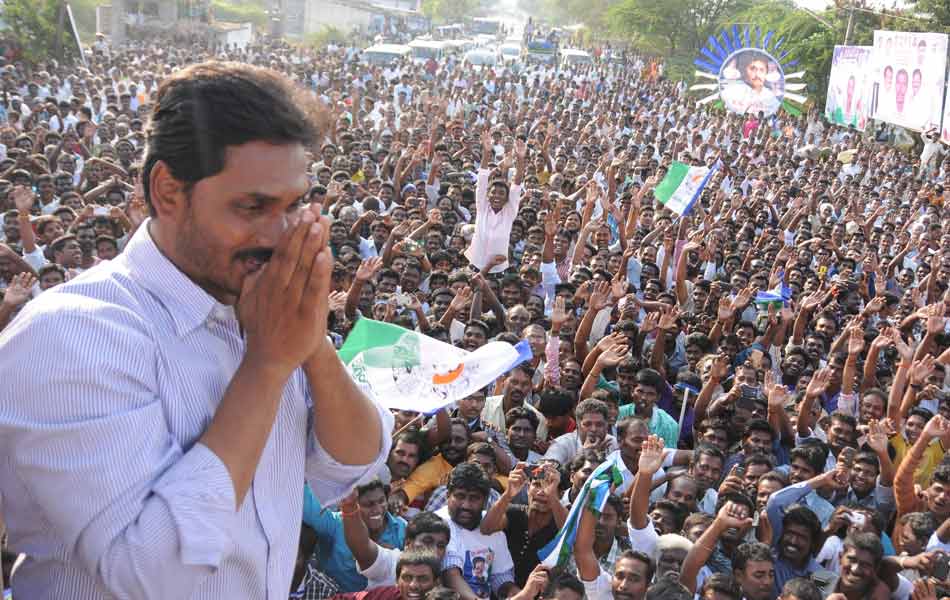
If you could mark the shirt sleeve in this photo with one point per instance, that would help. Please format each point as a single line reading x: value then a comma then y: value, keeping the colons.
x: 423, y: 479
x: 383, y: 570
x: 599, y: 589
x: 35, y: 259
x: 552, y: 369
x: 644, y: 539
x: 779, y: 501
x: 481, y: 192
x: 331, y: 480
x: 144, y: 516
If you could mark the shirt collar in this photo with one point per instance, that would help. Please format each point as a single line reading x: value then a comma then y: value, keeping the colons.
x: 188, y: 305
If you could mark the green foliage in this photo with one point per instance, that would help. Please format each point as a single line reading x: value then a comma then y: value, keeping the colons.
x: 239, y: 12
x: 672, y: 27
x: 84, y: 12
x: 449, y: 11
x: 33, y: 24
x: 327, y: 34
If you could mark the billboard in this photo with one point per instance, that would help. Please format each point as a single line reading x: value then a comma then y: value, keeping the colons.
x: 945, y: 132
x: 751, y: 81
x: 849, y: 87
x: 909, y: 69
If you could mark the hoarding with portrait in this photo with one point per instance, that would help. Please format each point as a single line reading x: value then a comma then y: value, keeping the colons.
x: 909, y: 76
x: 751, y: 81
x: 849, y: 87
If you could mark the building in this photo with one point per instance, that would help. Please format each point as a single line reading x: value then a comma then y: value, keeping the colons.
x: 363, y: 15
x: 117, y: 18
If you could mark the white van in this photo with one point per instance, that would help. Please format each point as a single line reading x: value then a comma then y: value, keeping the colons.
x: 573, y: 56
x: 480, y: 59
x: 510, y: 52
x: 423, y: 50
x: 384, y: 54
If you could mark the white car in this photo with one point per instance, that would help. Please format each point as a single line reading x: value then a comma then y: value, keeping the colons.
x: 510, y: 52
x: 572, y: 56
x: 480, y: 59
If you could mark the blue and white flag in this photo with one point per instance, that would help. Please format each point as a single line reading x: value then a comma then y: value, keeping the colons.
x: 593, y: 496
x: 682, y: 186
x: 780, y: 295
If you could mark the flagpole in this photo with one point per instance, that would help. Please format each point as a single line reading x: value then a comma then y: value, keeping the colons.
x: 683, y: 412
x: 409, y: 424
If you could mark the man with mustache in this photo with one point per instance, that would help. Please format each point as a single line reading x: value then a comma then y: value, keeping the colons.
x: 214, y: 392
x: 796, y: 530
x: 527, y: 531
x: 516, y: 391
x: 430, y: 474
x: 476, y: 565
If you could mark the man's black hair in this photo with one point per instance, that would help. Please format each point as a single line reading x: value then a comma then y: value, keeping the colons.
x: 416, y: 558
x: 564, y: 581
x: 799, y: 514
x: 469, y: 476
x: 204, y: 109
x: 426, y: 522
x: 868, y: 542
x: 751, y: 551
x: 801, y: 588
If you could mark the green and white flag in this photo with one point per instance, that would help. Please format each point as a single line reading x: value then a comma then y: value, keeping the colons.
x: 682, y: 186
x: 405, y: 370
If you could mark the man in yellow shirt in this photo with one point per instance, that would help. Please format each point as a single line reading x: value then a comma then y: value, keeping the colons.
x: 916, y: 420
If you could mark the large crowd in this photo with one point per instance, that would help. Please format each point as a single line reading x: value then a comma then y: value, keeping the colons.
x: 770, y: 371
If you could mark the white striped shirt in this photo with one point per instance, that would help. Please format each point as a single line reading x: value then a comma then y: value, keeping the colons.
x: 106, y: 384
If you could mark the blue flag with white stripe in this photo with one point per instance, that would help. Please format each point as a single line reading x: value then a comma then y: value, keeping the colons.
x: 593, y: 496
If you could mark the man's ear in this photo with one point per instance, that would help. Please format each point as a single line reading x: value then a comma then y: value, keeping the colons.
x: 167, y: 194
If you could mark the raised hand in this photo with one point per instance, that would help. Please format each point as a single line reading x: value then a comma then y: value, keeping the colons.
x: 651, y: 455
x: 537, y: 582
x: 668, y: 319
x: 937, y: 427
x: 461, y: 299
x: 743, y: 298
x: 612, y: 356
x: 550, y: 224
x: 23, y: 199
x: 600, y: 296
x: 730, y: 515
x: 819, y: 383
x: 19, y: 290
x: 877, y: 436
x: 368, y: 268
x: 922, y: 369
x: 726, y: 309
x: 517, y: 479
x: 732, y: 483
x: 650, y: 322
x: 619, y: 287
x: 559, y: 314
x: 935, y: 319
x: 856, y: 341
x: 521, y: 149
x: 875, y: 305
x: 810, y: 303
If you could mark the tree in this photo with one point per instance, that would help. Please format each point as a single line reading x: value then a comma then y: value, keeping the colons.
x: 445, y: 11
x: 673, y: 27
x: 33, y: 24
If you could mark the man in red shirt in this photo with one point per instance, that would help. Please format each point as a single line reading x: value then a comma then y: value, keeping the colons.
x: 416, y: 574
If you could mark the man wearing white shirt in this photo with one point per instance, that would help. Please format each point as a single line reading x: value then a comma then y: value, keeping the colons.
x: 189, y: 452
x: 496, y: 205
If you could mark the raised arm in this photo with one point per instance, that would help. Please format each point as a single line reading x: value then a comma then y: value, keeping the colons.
x: 729, y: 516
x: 355, y: 533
